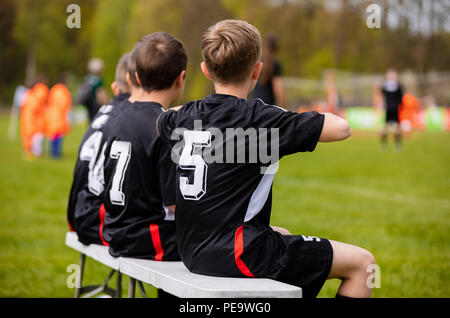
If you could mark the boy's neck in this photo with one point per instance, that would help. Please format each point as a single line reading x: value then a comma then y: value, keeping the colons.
x: 162, y: 97
x: 238, y: 90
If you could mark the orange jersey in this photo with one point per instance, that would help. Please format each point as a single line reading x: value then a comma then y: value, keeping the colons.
x: 56, y: 116
x: 32, y: 119
x: 410, y: 110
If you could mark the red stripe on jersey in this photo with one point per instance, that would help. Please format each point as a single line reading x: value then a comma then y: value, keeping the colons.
x: 154, y: 231
x: 102, y: 221
x: 70, y: 225
x: 238, y: 250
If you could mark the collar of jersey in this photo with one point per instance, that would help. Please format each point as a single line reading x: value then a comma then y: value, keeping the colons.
x: 220, y: 98
x: 144, y: 104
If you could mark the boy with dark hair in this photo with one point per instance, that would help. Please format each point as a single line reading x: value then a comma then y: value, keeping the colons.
x: 223, y: 206
x: 85, y: 210
x: 139, y: 175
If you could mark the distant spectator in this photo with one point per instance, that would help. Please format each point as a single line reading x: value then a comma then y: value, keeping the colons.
x: 392, y: 95
x: 32, y: 119
x: 57, y: 122
x: 270, y: 86
x: 92, y: 93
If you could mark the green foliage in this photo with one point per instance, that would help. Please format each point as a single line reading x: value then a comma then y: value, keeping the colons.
x: 312, y: 36
x: 110, y: 31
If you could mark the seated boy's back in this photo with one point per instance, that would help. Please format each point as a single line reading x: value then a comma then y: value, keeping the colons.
x: 139, y: 173
x: 223, y: 219
x: 139, y: 187
x: 85, y: 213
x: 228, y: 150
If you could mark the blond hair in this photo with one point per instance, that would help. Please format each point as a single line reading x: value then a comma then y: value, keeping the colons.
x: 230, y: 49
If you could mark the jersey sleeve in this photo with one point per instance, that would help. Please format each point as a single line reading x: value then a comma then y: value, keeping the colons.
x: 296, y: 132
x: 165, y: 124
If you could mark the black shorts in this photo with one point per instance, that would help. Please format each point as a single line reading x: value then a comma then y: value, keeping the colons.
x: 392, y: 117
x: 307, y: 264
x: 149, y: 241
x: 303, y: 261
x: 88, y: 223
x: 259, y: 251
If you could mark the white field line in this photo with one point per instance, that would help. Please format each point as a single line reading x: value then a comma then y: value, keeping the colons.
x: 360, y: 191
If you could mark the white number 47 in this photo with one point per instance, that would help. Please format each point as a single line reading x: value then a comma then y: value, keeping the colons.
x: 120, y: 150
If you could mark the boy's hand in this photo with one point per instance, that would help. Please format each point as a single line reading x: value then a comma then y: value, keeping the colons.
x: 334, y: 128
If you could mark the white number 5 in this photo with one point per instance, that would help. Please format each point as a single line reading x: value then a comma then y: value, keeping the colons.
x: 189, y: 161
x: 120, y: 150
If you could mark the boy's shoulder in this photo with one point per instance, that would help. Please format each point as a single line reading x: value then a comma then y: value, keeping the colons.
x: 136, y: 120
x: 141, y: 111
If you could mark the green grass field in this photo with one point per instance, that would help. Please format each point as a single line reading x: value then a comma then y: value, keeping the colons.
x: 397, y: 205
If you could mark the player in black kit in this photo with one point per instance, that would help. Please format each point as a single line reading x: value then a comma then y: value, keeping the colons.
x: 392, y: 97
x: 85, y: 210
x: 139, y: 175
x: 225, y: 176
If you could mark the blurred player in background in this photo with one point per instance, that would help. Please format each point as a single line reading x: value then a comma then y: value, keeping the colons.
x: 333, y: 98
x: 32, y: 119
x: 56, y: 116
x: 392, y: 96
x: 92, y: 93
x: 270, y: 86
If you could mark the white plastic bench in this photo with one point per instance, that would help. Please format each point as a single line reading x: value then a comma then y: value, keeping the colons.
x: 175, y: 278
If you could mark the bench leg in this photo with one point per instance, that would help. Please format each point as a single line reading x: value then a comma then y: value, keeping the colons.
x: 93, y: 290
x: 131, y: 287
x: 89, y: 291
x: 119, y: 285
x: 80, y: 277
x: 142, y: 290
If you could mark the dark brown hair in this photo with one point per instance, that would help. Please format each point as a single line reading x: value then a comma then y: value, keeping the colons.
x: 160, y: 58
x: 230, y: 49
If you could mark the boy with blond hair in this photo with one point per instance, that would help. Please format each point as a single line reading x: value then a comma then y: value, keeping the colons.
x: 224, y: 205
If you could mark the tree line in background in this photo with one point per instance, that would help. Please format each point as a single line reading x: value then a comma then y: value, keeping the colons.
x: 314, y: 35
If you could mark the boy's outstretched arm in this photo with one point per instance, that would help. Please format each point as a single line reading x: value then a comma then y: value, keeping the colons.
x: 334, y: 128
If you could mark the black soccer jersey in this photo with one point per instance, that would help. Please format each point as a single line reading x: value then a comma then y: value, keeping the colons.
x: 139, y: 186
x: 224, y: 193
x: 392, y: 94
x: 84, y: 214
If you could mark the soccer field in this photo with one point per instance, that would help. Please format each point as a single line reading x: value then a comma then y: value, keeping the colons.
x: 397, y: 205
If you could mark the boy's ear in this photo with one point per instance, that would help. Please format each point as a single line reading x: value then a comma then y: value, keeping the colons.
x: 115, y: 88
x: 205, y: 70
x: 180, y: 78
x: 137, y: 79
x: 128, y: 79
x: 257, y: 70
